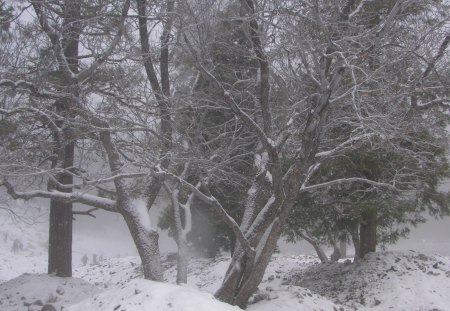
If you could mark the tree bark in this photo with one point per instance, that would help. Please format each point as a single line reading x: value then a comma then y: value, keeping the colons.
x: 356, y: 242
x: 182, y: 261
x: 336, y: 255
x: 147, y: 245
x: 320, y: 253
x: 368, y: 231
x: 60, y: 223
x: 343, y: 247
x: 60, y: 227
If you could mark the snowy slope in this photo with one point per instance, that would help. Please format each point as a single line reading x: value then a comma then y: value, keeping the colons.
x: 404, y: 280
x: 29, y: 292
x: 23, y: 242
x: 143, y: 295
x: 383, y: 281
x: 206, y: 274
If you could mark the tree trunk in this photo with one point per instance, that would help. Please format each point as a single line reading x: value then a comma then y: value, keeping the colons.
x: 336, y: 255
x: 356, y: 243
x: 60, y: 223
x: 368, y: 232
x: 244, y: 275
x: 147, y: 245
x: 319, y: 250
x: 60, y: 239
x: 343, y: 247
x: 182, y: 262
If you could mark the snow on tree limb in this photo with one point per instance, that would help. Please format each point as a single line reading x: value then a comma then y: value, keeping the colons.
x: 79, y: 197
x: 212, y: 201
x: 339, y: 181
x: 23, y: 85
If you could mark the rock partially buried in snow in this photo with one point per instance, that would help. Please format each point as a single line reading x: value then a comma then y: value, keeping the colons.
x: 144, y: 295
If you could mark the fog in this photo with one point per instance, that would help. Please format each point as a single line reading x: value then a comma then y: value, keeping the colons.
x: 109, y: 236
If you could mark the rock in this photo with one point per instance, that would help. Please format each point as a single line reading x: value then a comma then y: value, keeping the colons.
x: 60, y: 290
x: 48, y: 307
x: 38, y: 303
x: 260, y: 296
x: 271, y: 278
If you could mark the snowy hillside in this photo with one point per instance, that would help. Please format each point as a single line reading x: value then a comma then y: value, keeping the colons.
x: 32, y: 291
x: 401, y: 280
x: 383, y: 281
x: 23, y: 243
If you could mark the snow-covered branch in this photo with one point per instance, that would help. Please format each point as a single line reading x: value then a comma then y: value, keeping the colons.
x: 23, y: 85
x: 348, y: 143
x: 213, y: 202
x: 69, y: 197
x: 339, y: 181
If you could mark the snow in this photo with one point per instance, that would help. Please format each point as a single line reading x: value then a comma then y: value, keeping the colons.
x: 144, y: 295
x: 399, y: 280
x: 383, y: 281
x: 30, y: 292
x: 269, y: 177
x: 187, y: 219
x: 31, y: 239
x: 141, y: 210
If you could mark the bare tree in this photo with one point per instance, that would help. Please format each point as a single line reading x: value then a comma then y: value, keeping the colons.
x: 315, y: 70
x: 314, y: 79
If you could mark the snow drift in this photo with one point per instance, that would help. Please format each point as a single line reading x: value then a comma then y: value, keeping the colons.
x: 143, y: 295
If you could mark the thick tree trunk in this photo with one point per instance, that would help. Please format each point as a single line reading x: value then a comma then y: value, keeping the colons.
x: 60, y: 239
x: 60, y: 223
x: 147, y: 245
x: 368, y: 232
x: 244, y: 275
x: 254, y: 277
x: 60, y: 227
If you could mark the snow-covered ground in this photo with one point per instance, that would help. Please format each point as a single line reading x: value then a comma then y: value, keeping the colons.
x: 383, y: 281
x: 32, y: 291
x: 396, y: 280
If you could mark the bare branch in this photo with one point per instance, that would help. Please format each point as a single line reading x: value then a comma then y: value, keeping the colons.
x: 87, y: 73
x: 87, y: 213
x: 31, y: 88
x: 212, y: 201
x: 67, y: 197
x: 304, y: 188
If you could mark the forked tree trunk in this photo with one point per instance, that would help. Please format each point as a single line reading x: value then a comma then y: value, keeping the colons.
x: 368, y: 232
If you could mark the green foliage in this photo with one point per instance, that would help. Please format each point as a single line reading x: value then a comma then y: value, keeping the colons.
x: 416, y: 168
